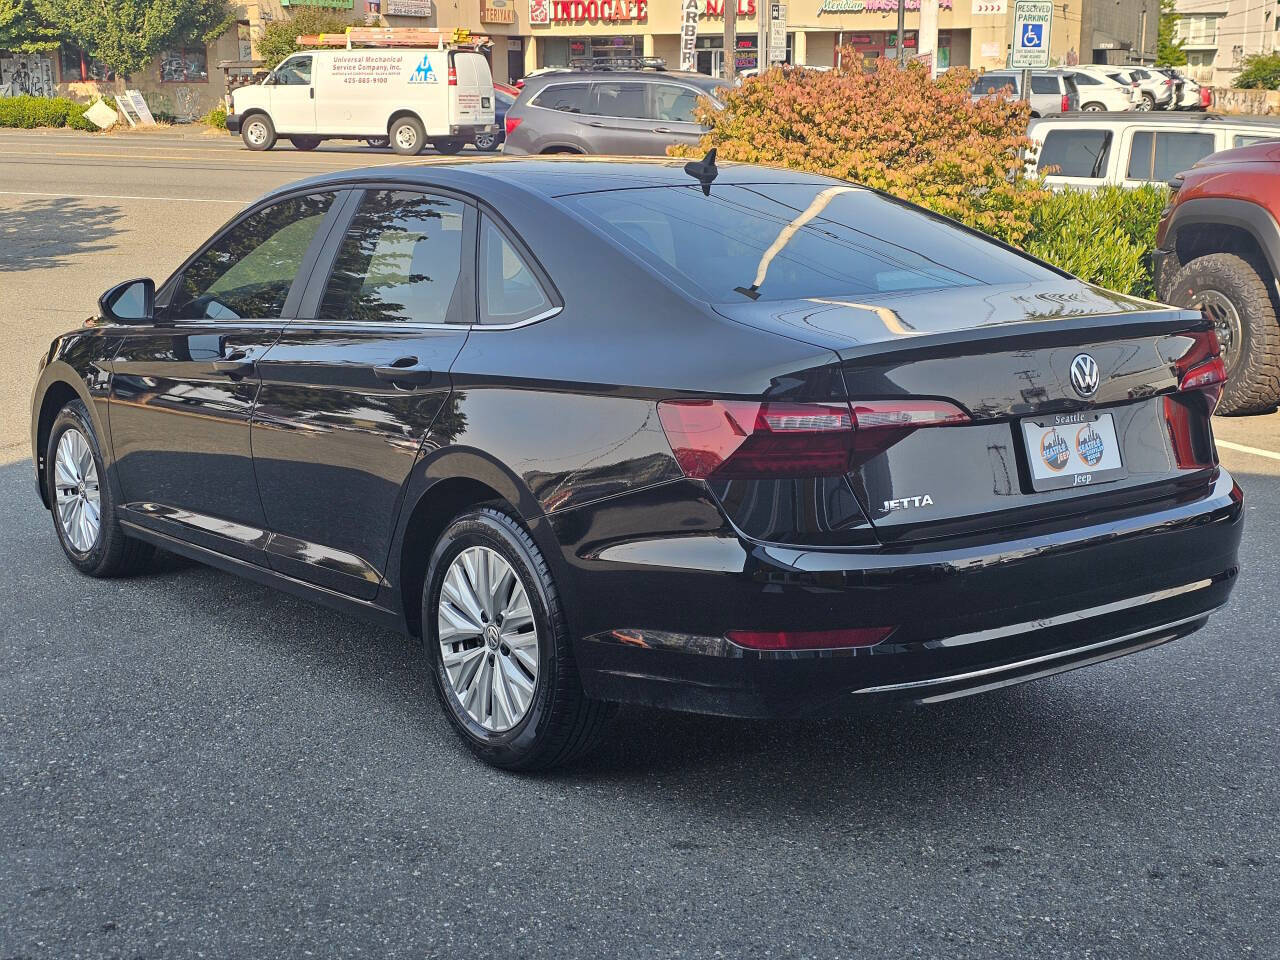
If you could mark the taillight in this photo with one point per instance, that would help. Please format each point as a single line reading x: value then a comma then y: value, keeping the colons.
x: 809, y: 639
x: 1206, y: 97
x: 1066, y: 103
x: 511, y: 124
x: 1202, y: 368
x: 745, y: 439
x: 453, y: 76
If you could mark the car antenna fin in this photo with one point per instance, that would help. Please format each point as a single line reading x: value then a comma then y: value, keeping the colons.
x: 704, y: 171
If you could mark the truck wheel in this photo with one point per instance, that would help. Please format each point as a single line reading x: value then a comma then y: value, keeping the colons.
x: 305, y: 143
x: 258, y: 133
x: 408, y: 136
x: 448, y: 146
x: 1233, y: 293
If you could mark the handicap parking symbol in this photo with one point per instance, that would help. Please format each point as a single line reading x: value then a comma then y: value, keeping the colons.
x: 1032, y: 35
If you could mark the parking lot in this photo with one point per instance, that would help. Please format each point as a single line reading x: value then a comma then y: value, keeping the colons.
x: 193, y: 765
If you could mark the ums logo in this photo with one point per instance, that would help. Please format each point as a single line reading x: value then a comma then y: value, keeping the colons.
x: 423, y: 73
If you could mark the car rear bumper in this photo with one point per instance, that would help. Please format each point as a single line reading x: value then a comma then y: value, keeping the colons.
x: 967, y: 619
x: 233, y: 123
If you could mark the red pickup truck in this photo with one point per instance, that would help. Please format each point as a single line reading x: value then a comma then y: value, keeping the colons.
x: 1218, y: 248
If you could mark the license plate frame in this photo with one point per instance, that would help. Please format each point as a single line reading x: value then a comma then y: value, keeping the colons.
x: 1073, y: 440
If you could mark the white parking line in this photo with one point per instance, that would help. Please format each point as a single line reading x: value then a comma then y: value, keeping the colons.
x: 1256, y: 451
x: 113, y: 196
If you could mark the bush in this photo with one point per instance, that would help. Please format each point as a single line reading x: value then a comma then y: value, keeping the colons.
x: 1261, y: 72
x: 217, y: 117
x: 896, y: 130
x: 279, y: 39
x: 28, y: 112
x: 1102, y: 236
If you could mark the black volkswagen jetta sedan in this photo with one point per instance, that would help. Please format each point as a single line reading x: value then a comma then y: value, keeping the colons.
x: 596, y: 431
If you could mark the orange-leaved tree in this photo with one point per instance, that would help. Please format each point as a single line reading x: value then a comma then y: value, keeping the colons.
x: 894, y: 129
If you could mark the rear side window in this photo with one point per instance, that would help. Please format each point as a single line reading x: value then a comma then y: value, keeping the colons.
x: 783, y: 241
x: 617, y: 99
x: 1158, y: 156
x: 246, y: 273
x: 1044, y: 84
x: 509, y: 289
x: 1083, y: 79
x: 1076, y: 153
x: 399, y: 261
x: 566, y: 97
x: 1248, y: 139
x: 993, y: 84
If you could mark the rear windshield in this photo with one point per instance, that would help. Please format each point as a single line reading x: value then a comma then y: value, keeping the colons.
x: 783, y: 241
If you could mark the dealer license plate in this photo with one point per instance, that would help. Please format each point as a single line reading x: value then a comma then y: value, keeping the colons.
x: 1072, y: 450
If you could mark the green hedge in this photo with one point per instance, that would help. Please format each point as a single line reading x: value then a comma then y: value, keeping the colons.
x: 217, y: 117
x: 1102, y: 236
x: 28, y: 112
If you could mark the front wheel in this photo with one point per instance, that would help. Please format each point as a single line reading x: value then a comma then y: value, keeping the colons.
x: 500, y: 647
x: 1231, y: 291
x: 378, y: 142
x: 449, y: 147
x: 84, y: 515
x: 408, y: 136
x: 258, y: 133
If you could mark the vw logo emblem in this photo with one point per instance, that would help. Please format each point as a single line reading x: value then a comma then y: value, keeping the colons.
x: 1084, y: 375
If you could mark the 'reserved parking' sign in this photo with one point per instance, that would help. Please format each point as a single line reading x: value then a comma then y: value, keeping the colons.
x: 1032, y: 20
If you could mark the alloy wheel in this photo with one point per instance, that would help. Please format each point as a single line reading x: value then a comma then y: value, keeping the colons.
x: 1226, y: 321
x: 488, y: 638
x: 485, y: 141
x: 75, y: 483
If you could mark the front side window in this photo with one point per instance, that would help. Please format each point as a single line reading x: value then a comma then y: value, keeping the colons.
x: 399, y: 261
x: 247, y: 272
x: 1158, y: 156
x: 565, y: 97
x: 782, y: 241
x: 294, y: 73
x: 674, y: 103
x: 509, y: 289
x: 1076, y: 153
x: 614, y: 99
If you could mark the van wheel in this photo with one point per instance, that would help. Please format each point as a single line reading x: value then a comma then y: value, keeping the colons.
x: 448, y: 146
x: 258, y: 133
x: 378, y: 142
x: 408, y: 136
x: 305, y: 143
x: 1231, y: 291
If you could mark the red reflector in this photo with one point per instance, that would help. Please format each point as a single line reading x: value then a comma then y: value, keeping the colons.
x: 810, y: 639
x: 512, y: 123
x: 1206, y: 97
x: 1066, y: 103
x: 453, y: 76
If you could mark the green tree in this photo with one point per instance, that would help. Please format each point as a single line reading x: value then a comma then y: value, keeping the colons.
x: 1261, y: 72
x: 128, y: 34
x: 1169, y: 52
x: 23, y: 31
x: 280, y: 38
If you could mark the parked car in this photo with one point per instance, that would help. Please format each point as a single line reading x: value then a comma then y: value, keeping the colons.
x: 729, y: 439
x: 1191, y: 95
x: 1099, y: 92
x: 410, y: 97
x: 503, y: 97
x: 1159, y: 92
x: 1218, y: 249
x: 1052, y: 91
x: 634, y: 112
x: 1131, y: 149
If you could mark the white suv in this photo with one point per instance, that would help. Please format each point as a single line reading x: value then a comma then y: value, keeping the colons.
x: 1101, y: 92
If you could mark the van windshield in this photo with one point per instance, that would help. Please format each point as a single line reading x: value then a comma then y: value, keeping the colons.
x: 783, y: 241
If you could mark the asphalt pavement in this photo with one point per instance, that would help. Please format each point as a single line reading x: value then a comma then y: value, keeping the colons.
x: 195, y: 766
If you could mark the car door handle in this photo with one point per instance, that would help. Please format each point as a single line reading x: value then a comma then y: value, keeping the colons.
x: 663, y: 130
x: 404, y: 372
x: 593, y: 123
x: 237, y: 363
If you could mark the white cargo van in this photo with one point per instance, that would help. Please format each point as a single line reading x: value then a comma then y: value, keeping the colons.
x: 405, y: 95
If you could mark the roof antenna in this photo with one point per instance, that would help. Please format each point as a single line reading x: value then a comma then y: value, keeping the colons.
x: 704, y: 171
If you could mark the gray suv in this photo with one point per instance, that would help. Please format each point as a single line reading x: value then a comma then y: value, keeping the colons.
x: 627, y: 112
x: 1052, y: 91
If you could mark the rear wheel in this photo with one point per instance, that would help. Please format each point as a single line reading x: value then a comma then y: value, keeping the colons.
x: 449, y: 147
x: 408, y: 136
x: 500, y: 647
x: 1233, y: 293
x: 305, y: 143
x: 258, y: 133
x: 1093, y: 107
x: 84, y: 515
x: 377, y: 141
x: 487, y: 142
x: 1146, y: 104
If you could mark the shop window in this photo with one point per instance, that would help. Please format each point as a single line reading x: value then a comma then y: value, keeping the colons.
x: 78, y: 66
x: 185, y: 65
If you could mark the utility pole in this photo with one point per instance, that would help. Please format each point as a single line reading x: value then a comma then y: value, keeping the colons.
x: 902, y: 32
x: 763, y: 18
x: 730, y: 38
x: 1142, y: 43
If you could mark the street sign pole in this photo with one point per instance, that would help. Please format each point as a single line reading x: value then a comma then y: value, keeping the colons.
x: 902, y: 30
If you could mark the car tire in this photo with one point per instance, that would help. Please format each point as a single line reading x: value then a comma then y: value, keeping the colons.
x: 305, y: 143
x: 487, y: 142
x: 377, y: 142
x: 75, y: 480
x: 1146, y: 104
x: 1093, y: 107
x: 448, y: 147
x: 257, y: 132
x: 512, y: 693
x: 408, y: 136
x: 1232, y: 290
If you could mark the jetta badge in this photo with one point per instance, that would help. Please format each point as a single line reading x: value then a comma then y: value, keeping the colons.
x: 1084, y: 375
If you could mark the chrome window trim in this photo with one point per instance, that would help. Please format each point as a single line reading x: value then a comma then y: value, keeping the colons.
x: 408, y: 325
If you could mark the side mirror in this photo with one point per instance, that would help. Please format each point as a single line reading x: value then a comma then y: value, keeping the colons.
x: 133, y: 301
